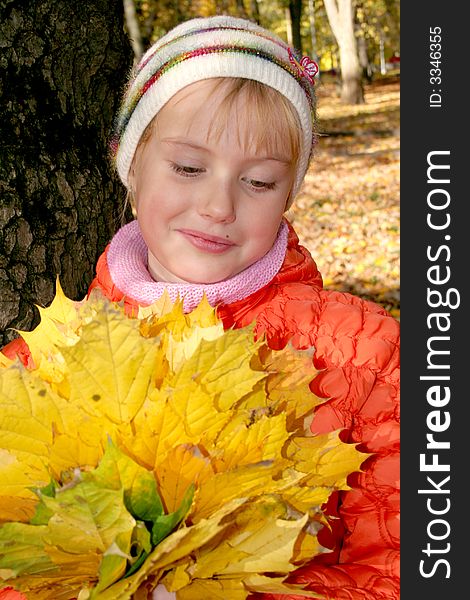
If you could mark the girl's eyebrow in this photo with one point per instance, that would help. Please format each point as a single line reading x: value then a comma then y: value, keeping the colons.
x: 179, y: 142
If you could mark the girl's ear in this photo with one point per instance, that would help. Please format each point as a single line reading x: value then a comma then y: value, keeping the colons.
x: 131, y: 177
x: 131, y: 196
x: 130, y: 199
x: 288, y: 201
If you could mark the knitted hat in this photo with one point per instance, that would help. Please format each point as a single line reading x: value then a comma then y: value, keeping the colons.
x: 204, y: 48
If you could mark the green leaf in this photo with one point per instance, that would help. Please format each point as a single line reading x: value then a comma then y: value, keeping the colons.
x: 22, y: 550
x: 114, y: 563
x: 87, y: 517
x: 43, y: 513
x: 141, y: 547
x: 165, y: 524
x: 85, y: 524
x: 116, y: 470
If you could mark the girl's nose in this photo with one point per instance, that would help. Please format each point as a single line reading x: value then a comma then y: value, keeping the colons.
x: 218, y: 204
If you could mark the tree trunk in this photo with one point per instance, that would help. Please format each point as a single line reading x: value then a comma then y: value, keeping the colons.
x: 364, y: 58
x: 133, y: 29
x: 340, y: 17
x: 383, y: 70
x: 241, y: 10
x: 254, y: 9
x: 222, y: 7
x: 63, y: 66
x: 313, y: 33
x: 295, y: 10
x: 288, y: 25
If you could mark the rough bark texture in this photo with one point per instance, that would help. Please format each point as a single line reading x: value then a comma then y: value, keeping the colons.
x: 63, y: 65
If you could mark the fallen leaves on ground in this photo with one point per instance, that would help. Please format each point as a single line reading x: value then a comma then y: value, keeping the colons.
x: 348, y: 214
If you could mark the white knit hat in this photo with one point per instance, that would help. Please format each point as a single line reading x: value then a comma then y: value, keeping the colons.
x: 204, y: 48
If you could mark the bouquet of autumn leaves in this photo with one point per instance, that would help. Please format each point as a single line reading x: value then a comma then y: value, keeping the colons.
x: 159, y: 449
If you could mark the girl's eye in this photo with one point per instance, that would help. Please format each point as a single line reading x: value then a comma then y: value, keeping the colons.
x: 261, y: 185
x: 186, y: 171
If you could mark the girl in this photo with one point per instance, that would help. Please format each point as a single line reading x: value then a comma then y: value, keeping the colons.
x: 213, y: 140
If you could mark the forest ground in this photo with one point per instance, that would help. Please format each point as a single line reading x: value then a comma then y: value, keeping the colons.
x: 348, y: 212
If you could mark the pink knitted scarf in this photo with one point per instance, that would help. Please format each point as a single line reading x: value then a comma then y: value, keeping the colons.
x: 127, y: 262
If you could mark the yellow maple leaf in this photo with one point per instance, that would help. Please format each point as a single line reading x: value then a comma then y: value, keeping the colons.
x: 5, y: 361
x: 326, y: 459
x: 110, y: 370
x: 276, y: 585
x: 195, y: 408
x: 244, y: 442
x: 59, y: 325
x: 160, y: 307
x: 215, y: 589
x: 182, y: 466
x: 255, y: 544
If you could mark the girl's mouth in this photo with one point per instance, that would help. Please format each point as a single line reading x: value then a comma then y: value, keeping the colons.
x: 206, y: 242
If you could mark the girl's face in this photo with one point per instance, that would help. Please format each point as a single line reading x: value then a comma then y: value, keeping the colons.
x: 207, y: 207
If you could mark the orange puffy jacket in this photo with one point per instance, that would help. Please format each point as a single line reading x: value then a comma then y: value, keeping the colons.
x: 357, y: 351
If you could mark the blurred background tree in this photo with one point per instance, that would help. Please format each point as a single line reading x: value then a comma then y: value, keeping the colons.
x: 367, y: 30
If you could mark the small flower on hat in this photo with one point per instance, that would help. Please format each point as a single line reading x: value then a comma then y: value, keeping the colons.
x: 305, y: 67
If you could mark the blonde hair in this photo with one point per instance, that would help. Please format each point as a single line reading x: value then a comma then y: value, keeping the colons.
x: 271, y: 124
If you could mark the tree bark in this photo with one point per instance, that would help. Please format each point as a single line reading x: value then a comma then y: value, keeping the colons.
x: 63, y: 66
x: 340, y: 17
x: 295, y: 10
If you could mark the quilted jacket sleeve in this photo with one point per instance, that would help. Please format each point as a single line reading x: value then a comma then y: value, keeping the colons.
x: 357, y: 352
x: 18, y: 348
x: 105, y: 284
